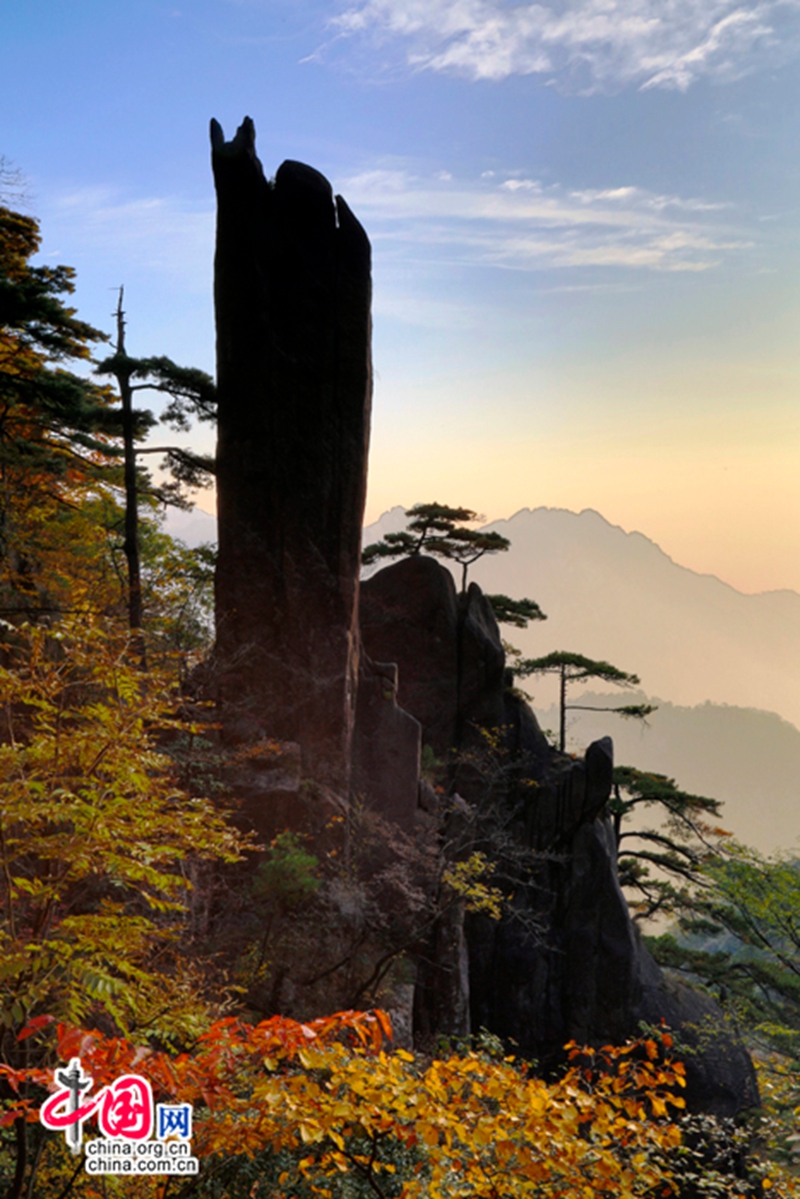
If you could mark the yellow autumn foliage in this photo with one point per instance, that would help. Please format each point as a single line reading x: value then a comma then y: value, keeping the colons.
x: 482, y: 1127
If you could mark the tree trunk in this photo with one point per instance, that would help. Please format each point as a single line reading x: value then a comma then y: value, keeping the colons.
x: 131, y: 546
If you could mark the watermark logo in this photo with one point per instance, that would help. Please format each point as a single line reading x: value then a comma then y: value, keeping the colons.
x: 126, y: 1117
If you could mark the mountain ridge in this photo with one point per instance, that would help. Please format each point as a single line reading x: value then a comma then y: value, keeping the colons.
x: 746, y: 757
x: 701, y: 574
x: 394, y: 518
x: 618, y: 596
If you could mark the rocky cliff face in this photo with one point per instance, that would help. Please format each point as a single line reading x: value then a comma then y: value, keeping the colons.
x: 450, y: 659
x: 292, y: 298
x: 316, y: 720
x: 566, y: 963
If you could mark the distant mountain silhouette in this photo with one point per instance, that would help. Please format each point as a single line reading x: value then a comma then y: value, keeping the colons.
x: 747, y: 758
x: 728, y: 663
x: 616, y: 596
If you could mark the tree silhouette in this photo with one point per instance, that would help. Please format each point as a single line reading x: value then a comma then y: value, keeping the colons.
x: 574, y: 668
x: 192, y: 393
x: 677, y: 848
x: 515, y: 612
x: 433, y: 529
x: 53, y: 423
x: 468, y: 545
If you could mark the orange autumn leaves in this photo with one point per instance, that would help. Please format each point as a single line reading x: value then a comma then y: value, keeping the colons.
x: 333, y: 1094
x: 487, y: 1128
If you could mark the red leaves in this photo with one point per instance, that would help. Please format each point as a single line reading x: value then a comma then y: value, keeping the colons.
x: 209, y: 1074
x: 282, y: 1037
x: 33, y: 1026
x: 319, y: 1088
x: 13, y: 1077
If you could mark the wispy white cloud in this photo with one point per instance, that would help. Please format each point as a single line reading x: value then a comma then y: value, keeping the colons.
x: 164, y: 235
x: 643, y: 199
x: 502, y: 220
x: 583, y: 45
x: 518, y: 223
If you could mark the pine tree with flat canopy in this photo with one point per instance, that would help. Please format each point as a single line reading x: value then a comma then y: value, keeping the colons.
x: 573, y: 668
x: 435, y: 529
x: 192, y: 394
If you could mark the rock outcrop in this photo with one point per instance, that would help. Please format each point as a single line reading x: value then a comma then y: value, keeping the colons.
x: 292, y: 297
x: 567, y: 963
x: 409, y: 615
x: 450, y: 659
x: 386, y: 748
x: 315, y: 720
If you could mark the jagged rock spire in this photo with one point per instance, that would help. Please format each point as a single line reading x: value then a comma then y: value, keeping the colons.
x: 292, y: 297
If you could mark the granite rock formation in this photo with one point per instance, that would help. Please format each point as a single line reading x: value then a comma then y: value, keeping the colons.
x: 315, y: 719
x: 409, y: 613
x: 451, y: 663
x: 386, y: 747
x: 568, y: 962
x: 292, y: 298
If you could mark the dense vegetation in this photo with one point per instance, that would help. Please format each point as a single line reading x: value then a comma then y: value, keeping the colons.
x: 137, y: 932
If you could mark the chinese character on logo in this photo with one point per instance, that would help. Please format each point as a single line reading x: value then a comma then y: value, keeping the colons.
x: 124, y: 1111
x: 127, y: 1108
x: 174, y: 1119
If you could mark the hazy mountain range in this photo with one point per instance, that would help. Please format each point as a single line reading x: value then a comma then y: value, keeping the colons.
x: 725, y: 664
x: 617, y: 596
x: 193, y: 527
x: 747, y: 758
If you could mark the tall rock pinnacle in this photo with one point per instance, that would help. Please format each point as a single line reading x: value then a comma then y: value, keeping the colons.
x: 292, y: 295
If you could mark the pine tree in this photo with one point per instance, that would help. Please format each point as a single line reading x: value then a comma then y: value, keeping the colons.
x: 676, y: 849
x: 433, y: 529
x: 573, y: 668
x: 515, y: 612
x: 54, y: 423
x: 192, y: 393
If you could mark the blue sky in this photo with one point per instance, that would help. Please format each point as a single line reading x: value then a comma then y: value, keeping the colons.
x: 584, y: 216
